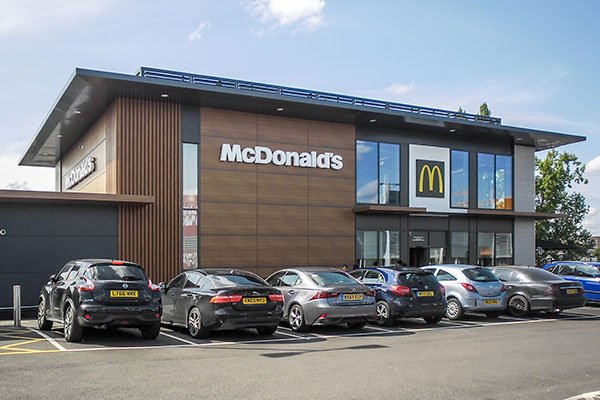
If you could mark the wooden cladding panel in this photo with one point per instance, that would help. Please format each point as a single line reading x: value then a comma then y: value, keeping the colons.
x: 330, y: 192
x: 331, y: 221
x: 228, y: 218
x: 228, y: 251
x: 326, y: 134
x: 282, y: 220
x: 219, y: 186
x: 282, y: 130
x: 229, y: 124
x: 282, y: 189
x: 148, y: 154
x: 282, y: 251
x: 332, y: 251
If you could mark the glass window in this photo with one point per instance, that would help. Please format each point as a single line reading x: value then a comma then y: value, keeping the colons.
x: 503, y: 274
x: 485, y: 181
x: 389, y: 173
x: 417, y: 279
x: 389, y: 242
x: 190, y: 205
x: 366, y: 247
x: 73, y: 273
x: 228, y: 280
x: 459, y: 179
x: 373, y: 278
x: 480, y: 275
x: 326, y: 278
x: 109, y: 272
x: 366, y: 172
x: 357, y: 273
x: 192, y: 280
x: 177, y: 282
x: 567, y: 270
x: 273, y: 279
x: 504, y: 249
x: 459, y: 247
x: 504, y: 182
x: 485, y: 247
x: 436, y: 255
x: 537, y: 274
x: 62, y: 275
x: 445, y: 276
x: 290, y: 279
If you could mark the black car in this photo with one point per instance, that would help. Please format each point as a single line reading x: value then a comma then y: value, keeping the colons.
x: 100, y: 293
x: 404, y: 293
x: 535, y: 289
x: 203, y: 300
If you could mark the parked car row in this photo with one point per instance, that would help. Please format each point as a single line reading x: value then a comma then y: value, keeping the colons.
x: 104, y: 293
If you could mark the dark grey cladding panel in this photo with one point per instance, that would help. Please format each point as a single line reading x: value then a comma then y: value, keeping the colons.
x: 39, y: 219
x: 459, y: 224
x: 426, y: 223
x: 190, y: 124
x: 437, y: 239
x: 441, y: 138
x: 377, y: 222
x: 497, y: 225
x: 41, y: 238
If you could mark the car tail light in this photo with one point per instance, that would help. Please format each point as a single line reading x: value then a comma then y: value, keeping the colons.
x: 278, y: 298
x: 152, y: 286
x: 443, y: 290
x: 370, y: 293
x: 551, y: 290
x: 322, y: 316
x: 469, y: 287
x: 402, y: 291
x: 88, y: 286
x: 324, y: 295
x: 87, y: 317
x: 117, y: 262
x: 221, y: 299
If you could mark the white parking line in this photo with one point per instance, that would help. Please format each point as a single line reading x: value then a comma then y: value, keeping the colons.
x: 178, y: 338
x: 281, y: 332
x: 374, y: 328
x: 49, y: 339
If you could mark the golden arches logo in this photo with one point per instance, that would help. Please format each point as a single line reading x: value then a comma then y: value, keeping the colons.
x: 431, y: 172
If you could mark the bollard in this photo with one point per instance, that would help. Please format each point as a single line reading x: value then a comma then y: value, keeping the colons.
x: 17, y: 305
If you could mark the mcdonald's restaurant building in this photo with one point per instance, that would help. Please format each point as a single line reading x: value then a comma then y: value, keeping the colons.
x: 175, y: 170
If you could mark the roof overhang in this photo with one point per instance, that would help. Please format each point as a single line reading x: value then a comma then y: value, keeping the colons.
x: 388, y: 209
x: 90, y: 92
x: 28, y: 196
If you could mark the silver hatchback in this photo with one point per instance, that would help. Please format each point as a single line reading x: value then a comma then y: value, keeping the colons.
x: 470, y: 288
x: 323, y: 296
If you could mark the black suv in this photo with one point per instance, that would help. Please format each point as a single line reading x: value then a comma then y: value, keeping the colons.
x: 100, y: 293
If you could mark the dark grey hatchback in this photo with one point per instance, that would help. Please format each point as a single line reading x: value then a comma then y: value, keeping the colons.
x: 100, y: 293
x: 534, y: 289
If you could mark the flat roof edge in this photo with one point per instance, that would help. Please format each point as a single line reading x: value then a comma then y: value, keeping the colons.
x: 32, y: 196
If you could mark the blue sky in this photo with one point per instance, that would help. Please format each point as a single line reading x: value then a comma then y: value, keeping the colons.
x: 535, y: 62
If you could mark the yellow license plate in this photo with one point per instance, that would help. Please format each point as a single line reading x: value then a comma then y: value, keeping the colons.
x: 425, y: 293
x: 352, y: 296
x: 572, y: 291
x: 254, y: 300
x: 124, y: 293
x: 495, y: 302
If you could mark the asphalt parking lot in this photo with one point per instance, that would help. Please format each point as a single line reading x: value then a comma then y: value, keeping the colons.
x: 536, y: 357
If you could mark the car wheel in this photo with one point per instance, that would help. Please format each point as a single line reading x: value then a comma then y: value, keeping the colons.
x: 493, y: 314
x: 266, y: 330
x: 296, y: 319
x: 356, y: 325
x: 384, y: 317
x: 433, y: 320
x: 43, y: 323
x: 150, y: 332
x: 518, y: 306
x: 194, y: 323
x: 454, y: 309
x: 73, y: 331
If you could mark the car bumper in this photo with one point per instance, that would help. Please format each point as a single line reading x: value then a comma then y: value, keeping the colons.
x: 232, y: 319
x: 401, y: 308
x: 554, y: 303
x: 478, y: 304
x: 134, y: 316
x: 313, y: 313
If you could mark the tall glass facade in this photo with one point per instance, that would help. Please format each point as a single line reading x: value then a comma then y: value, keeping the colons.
x: 459, y: 179
x: 380, y: 246
x: 459, y: 247
x: 494, y: 249
x: 485, y: 249
x: 486, y: 193
x: 377, y: 173
x: 190, y: 205
x: 504, y: 182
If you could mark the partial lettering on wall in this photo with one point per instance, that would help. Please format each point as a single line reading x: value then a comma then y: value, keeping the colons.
x: 80, y: 172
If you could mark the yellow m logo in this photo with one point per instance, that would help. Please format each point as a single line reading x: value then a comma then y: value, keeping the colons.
x: 431, y: 172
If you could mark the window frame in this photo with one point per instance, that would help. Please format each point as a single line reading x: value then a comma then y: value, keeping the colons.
x: 468, y: 178
x: 378, y: 170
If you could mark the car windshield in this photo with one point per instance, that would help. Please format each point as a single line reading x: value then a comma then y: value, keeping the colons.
x: 536, y: 274
x: 109, y: 272
x: 227, y: 280
x: 588, y: 270
x: 412, y: 279
x: 326, y: 278
x: 480, y: 275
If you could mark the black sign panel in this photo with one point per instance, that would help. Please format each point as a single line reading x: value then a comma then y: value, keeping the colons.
x: 430, y: 179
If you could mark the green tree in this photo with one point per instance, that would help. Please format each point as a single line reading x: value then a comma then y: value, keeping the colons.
x: 555, y: 176
x: 485, y: 110
x: 461, y: 110
x: 596, y: 253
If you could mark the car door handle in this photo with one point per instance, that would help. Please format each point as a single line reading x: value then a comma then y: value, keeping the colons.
x: 172, y: 294
x: 186, y: 295
x: 291, y: 292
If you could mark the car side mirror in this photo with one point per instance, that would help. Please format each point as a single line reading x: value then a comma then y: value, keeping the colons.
x: 162, y: 286
x: 53, y: 278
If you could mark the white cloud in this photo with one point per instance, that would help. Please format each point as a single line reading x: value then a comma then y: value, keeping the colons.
x: 27, y: 16
x: 200, y: 31
x: 304, y: 15
x: 593, y: 167
x: 31, y: 178
x: 400, y: 88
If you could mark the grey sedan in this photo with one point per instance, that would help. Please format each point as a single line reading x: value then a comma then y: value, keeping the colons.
x: 323, y: 296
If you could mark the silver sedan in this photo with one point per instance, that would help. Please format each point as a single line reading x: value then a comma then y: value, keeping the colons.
x: 323, y: 296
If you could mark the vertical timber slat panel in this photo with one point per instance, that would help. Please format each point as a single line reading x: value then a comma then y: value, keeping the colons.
x: 148, y: 154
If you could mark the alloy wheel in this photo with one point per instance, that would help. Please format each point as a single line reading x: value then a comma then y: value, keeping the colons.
x: 194, y: 322
x: 41, y: 312
x: 68, y: 320
x: 453, y: 309
x: 383, y: 313
x: 518, y: 305
x: 296, y: 317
